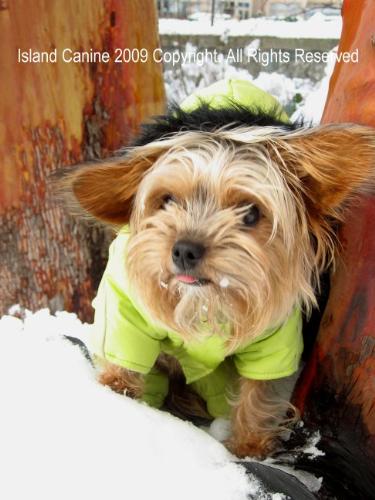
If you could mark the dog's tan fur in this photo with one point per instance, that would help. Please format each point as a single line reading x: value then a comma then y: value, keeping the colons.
x: 300, y: 182
x: 121, y: 380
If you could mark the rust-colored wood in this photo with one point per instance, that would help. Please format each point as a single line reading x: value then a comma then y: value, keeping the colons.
x: 352, y: 86
x: 56, y: 114
x: 337, y: 389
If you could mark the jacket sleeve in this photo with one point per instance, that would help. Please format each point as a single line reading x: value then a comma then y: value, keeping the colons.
x: 274, y: 356
x: 121, y: 334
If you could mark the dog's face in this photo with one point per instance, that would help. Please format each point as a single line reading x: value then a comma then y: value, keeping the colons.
x: 232, y: 227
x: 218, y: 236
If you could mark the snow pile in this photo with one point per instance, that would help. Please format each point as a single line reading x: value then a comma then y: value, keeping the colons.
x: 63, y: 436
x: 318, y: 26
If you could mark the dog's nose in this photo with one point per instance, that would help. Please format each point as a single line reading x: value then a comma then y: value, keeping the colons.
x: 186, y: 254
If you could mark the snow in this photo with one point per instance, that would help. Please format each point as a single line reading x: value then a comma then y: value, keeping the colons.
x: 64, y: 436
x: 278, y: 496
x: 219, y: 429
x: 311, y: 482
x: 311, y: 448
x: 301, y: 97
x: 318, y: 26
x: 312, y: 107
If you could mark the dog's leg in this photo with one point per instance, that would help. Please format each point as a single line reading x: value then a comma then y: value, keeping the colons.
x: 182, y: 401
x: 122, y: 380
x: 259, y: 417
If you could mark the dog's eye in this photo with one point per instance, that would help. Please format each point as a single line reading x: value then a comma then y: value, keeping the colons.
x: 168, y: 198
x: 252, y: 216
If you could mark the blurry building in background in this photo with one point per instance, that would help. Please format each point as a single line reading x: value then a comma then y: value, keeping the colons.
x: 237, y: 9
x: 188, y: 8
x: 278, y: 7
x: 166, y: 8
x: 240, y: 9
x: 291, y: 7
x: 184, y: 8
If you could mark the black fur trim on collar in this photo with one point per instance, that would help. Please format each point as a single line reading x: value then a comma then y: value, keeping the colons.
x: 206, y: 119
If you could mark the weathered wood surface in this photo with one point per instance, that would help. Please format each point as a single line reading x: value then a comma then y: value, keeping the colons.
x: 337, y: 389
x: 57, y: 114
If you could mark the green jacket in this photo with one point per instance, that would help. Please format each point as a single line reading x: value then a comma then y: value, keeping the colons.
x: 125, y: 335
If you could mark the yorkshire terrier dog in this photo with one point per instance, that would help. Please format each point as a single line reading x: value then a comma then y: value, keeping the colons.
x: 226, y: 216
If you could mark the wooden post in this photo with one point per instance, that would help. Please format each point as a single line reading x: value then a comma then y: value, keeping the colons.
x: 54, y: 114
x: 337, y: 389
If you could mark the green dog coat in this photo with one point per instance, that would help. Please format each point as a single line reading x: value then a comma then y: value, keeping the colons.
x: 124, y: 334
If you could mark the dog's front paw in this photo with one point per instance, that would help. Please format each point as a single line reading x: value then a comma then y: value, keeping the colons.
x: 122, y: 381
x: 252, y: 445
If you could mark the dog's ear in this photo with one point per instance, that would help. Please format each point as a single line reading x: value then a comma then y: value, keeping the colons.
x: 333, y: 162
x: 329, y: 165
x: 106, y: 190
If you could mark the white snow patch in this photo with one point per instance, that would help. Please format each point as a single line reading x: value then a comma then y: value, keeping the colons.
x: 15, y: 309
x: 253, y: 45
x: 311, y: 449
x: 220, y: 429
x: 318, y: 26
x: 64, y: 436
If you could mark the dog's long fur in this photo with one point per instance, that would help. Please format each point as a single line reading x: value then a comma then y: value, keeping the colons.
x: 210, y: 173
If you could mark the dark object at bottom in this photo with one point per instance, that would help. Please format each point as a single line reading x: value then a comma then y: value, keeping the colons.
x: 82, y: 346
x: 278, y: 481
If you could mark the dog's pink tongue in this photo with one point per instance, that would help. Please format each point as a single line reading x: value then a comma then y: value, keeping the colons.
x: 186, y: 278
